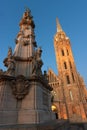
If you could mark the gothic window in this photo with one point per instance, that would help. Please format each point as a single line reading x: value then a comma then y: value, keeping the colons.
x: 71, y: 96
x: 73, y: 77
x: 67, y: 52
x: 62, y: 52
x: 70, y: 64
x: 65, y: 65
x: 67, y: 79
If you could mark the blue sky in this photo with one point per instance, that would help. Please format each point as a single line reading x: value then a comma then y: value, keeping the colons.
x: 72, y: 15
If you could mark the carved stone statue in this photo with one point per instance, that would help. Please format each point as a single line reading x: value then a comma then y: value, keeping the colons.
x: 45, y: 76
x: 9, y: 52
x: 27, y: 13
x: 9, y: 63
x: 37, y: 63
x: 38, y: 53
x: 11, y: 67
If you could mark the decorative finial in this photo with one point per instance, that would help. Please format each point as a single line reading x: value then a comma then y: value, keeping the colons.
x: 28, y: 12
x: 27, y: 9
x: 59, y: 28
x: 9, y: 52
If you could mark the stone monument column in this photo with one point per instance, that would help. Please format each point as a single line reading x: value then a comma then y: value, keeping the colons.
x: 24, y: 91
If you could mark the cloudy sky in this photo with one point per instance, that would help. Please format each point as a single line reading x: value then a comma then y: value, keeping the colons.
x: 72, y: 15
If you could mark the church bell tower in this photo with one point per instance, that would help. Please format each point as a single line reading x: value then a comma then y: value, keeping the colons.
x: 72, y: 88
x: 64, y: 57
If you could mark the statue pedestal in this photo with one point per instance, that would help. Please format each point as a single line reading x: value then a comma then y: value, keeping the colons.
x: 33, y: 108
x: 36, y: 106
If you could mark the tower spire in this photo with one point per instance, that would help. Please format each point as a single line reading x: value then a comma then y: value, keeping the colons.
x: 59, y: 28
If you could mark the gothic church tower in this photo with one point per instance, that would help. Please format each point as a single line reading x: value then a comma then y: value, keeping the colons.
x: 64, y: 57
x: 69, y: 91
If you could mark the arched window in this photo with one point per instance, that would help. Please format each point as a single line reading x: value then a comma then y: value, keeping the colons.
x: 65, y: 65
x: 73, y: 77
x: 70, y: 64
x: 67, y: 52
x: 62, y: 52
x: 67, y: 79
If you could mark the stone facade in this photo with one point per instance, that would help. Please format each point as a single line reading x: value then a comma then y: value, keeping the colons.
x: 69, y: 95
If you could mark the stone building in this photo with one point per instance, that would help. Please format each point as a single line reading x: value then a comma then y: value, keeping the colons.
x: 69, y: 95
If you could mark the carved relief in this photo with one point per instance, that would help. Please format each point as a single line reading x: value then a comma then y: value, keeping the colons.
x: 20, y: 87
